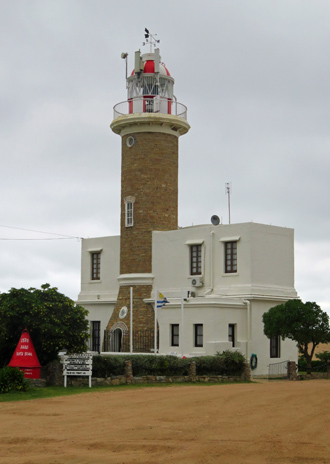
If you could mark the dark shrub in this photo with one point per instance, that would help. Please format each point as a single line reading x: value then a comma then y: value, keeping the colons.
x: 233, y: 362
x: 208, y: 365
x: 107, y: 366
x: 159, y: 365
x: 317, y: 366
x: 11, y: 378
x: 227, y: 363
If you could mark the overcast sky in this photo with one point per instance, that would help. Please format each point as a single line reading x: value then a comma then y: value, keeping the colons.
x: 255, y: 76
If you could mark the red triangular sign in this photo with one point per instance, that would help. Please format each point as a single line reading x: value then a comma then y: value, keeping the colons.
x: 24, y: 355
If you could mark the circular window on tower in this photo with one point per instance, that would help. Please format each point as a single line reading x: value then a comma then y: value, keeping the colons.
x: 130, y: 141
x: 123, y: 312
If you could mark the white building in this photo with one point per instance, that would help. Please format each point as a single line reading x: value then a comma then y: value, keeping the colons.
x: 218, y: 279
x: 226, y: 299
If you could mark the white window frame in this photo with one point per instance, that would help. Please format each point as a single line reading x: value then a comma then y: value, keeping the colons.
x: 129, y: 211
x: 129, y: 214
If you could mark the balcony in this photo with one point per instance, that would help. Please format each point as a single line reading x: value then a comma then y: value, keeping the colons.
x: 156, y: 104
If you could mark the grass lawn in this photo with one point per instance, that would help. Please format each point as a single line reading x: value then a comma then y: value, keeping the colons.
x: 34, y: 393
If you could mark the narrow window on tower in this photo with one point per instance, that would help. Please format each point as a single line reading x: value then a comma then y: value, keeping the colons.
x: 129, y: 214
x: 96, y: 266
x: 129, y: 210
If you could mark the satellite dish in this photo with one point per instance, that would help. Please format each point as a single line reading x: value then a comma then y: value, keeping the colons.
x: 215, y: 220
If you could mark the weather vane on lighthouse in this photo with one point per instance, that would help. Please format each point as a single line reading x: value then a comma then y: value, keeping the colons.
x: 150, y: 39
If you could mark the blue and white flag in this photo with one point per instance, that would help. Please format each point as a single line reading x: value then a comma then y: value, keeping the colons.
x: 161, y: 300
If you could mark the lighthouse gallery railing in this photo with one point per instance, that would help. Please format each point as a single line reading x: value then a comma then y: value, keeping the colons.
x: 156, y: 104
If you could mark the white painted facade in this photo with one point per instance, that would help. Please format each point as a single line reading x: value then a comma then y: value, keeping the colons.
x: 264, y: 278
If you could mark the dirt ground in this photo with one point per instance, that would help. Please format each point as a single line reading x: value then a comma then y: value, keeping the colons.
x: 265, y: 422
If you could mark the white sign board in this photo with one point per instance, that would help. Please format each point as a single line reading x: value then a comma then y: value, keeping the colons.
x: 78, y: 364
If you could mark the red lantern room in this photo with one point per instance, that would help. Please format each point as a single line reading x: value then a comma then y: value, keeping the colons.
x: 150, y: 86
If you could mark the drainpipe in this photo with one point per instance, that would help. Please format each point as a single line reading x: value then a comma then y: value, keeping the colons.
x: 210, y: 290
x: 248, y: 303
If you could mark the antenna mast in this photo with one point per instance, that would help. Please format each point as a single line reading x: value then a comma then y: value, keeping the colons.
x: 228, y: 190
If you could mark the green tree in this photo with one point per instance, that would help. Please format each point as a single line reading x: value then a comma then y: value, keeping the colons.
x: 304, y: 323
x: 53, y: 320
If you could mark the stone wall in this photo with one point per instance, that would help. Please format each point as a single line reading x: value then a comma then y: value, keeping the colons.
x: 150, y: 379
x: 292, y: 370
x: 314, y: 375
x: 39, y: 383
x: 292, y: 373
x: 53, y: 373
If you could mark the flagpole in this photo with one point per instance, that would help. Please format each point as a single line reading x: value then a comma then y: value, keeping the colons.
x: 131, y: 320
x: 182, y: 324
x: 155, y: 336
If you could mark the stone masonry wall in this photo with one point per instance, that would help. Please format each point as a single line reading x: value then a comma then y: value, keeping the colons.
x: 143, y: 314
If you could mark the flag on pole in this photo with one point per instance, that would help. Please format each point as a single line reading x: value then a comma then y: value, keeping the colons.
x: 161, y: 300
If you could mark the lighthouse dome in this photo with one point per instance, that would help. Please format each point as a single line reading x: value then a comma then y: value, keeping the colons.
x: 149, y: 65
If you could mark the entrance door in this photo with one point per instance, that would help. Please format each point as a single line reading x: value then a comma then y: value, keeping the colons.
x: 116, y: 341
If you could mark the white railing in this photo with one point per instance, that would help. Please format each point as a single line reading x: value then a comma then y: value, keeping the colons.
x: 155, y: 104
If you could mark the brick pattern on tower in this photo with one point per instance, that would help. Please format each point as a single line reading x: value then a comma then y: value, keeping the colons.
x: 143, y: 314
x: 150, y: 174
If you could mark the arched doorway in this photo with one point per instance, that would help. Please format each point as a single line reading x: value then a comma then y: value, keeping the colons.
x: 116, y: 341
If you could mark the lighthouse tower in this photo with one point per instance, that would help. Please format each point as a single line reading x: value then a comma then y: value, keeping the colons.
x: 150, y: 123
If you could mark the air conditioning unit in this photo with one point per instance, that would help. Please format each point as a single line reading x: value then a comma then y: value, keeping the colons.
x: 197, y: 282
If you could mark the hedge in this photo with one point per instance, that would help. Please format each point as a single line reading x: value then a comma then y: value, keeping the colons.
x: 11, y: 378
x: 227, y: 363
x: 317, y: 366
